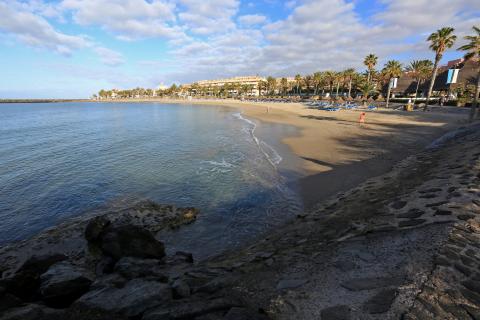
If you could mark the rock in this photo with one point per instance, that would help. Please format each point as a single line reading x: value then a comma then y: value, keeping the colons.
x: 33, y: 312
x: 411, y: 223
x: 345, y: 265
x: 131, y: 241
x: 442, y: 212
x: 180, y: 289
x: 63, y: 283
x: 190, y: 309
x: 290, y: 283
x: 372, y: 283
x: 436, y: 204
x: 381, y: 302
x: 472, y: 285
x: 26, y: 280
x: 340, y: 312
x: 95, y: 228
x: 465, y: 217
x: 181, y: 256
x: 8, y: 301
x: 131, y: 300
x: 398, y: 204
x: 104, y: 266
x: 111, y: 280
x: 412, y: 214
x: 131, y: 268
x: 237, y: 313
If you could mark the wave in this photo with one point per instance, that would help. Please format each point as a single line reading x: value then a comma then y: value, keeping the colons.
x: 272, y: 156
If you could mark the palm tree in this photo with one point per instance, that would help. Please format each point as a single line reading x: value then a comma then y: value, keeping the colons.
x: 349, y: 75
x: 308, y: 80
x: 330, y: 78
x: 392, y: 69
x: 370, y: 61
x: 338, y: 78
x: 317, y: 81
x: 367, y: 89
x: 298, y: 80
x: 271, y: 84
x: 440, y: 41
x: 284, y: 85
x: 473, y: 51
x: 420, y: 70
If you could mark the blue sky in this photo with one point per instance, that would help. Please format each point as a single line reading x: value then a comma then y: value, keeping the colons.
x: 73, y: 48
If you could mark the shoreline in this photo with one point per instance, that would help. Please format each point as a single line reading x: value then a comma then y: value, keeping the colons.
x: 335, y: 152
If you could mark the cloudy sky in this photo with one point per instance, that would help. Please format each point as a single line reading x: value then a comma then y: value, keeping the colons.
x: 73, y: 48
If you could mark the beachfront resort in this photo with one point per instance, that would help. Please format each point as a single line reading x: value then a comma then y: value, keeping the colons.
x: 424, y: 81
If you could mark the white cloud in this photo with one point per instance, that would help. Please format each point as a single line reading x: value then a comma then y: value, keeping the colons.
x: 109, y: 57
x: 36, y: 31
x: 208, y: 17
x: 252, y: 19
x: 128, y: 19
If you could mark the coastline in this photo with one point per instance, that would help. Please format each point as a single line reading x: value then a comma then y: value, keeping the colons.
x: 335, y: 152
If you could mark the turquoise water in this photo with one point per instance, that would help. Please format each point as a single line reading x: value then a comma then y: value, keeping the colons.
x: 60, y: 160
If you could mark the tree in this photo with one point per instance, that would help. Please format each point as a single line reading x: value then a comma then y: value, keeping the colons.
x: 298, y: 80
x: 367, y: 89
x: 348, y: 76
x: 330, y: 78
x: 317, y: 81
x: 338, y: 78
x: 370, y: 61
x: 392, y: 69
x: 271, y: 85
x: 473, y: 51
x: 284, y: 85
x: 262, y: 86
x: 308, y: 80
x: 420, y: 70
x: 440, y: 41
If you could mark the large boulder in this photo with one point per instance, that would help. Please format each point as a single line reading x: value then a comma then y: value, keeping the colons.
x: 131, y: 300
x: 63, y: 283
x: 95, y: 228
x: 26, y: 280
x: 131, y: 241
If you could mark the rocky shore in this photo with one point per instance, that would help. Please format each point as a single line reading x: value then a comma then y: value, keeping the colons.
x: 403, y: 245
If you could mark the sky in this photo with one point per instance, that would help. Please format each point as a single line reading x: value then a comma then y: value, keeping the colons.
x: 74, y: 48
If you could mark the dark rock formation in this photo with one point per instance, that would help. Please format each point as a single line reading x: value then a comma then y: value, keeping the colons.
x: 63, y: 283
x: 95, y: 228
x: 131, y: 300
x: 131, y: 241
x: 26, y: 280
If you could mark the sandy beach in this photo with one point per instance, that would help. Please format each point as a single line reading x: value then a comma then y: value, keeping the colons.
x: 335, y: 151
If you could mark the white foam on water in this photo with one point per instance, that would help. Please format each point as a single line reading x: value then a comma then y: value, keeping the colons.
x: 272, y: 156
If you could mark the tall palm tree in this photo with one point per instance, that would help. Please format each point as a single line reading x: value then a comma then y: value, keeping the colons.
x: 330, y: 78
x: 370, y: 61
x: 316, y: 79
x: 298, y: 80
x: 440, y: 41
x: 308, y: 80
x: 473, y: 51
x: 271, y: 84
x: 420, y: 70
x: 284, y: 85
x: 349, y: 75
x: 392, y: 69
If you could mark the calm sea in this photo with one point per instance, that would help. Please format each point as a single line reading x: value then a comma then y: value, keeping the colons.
x: 60, y: 160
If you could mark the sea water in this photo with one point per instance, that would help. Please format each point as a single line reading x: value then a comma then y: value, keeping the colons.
x: 61, y: 160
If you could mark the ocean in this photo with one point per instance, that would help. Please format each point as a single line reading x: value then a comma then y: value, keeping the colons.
x: 61, y: 160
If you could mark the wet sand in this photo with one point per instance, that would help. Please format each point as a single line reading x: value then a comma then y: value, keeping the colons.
x: 336, y: 152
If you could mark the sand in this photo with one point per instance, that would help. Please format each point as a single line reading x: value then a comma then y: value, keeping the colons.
x: 335, y: 151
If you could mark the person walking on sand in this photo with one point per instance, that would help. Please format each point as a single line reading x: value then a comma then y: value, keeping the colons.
x: 361, y: 120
